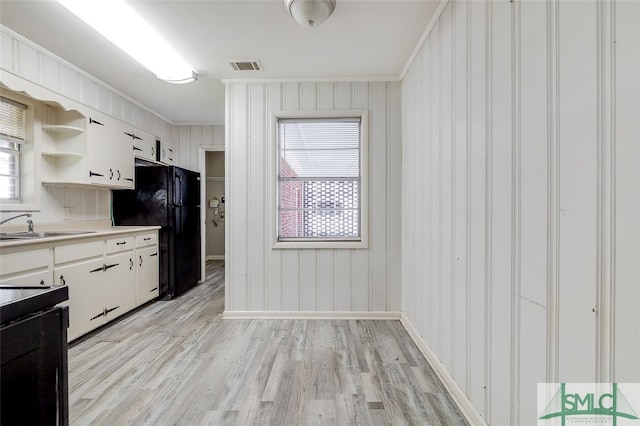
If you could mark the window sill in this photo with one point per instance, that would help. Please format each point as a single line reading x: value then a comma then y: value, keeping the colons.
x: 300, y: 245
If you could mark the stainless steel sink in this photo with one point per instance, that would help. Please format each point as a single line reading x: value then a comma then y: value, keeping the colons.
x: 32, y: 235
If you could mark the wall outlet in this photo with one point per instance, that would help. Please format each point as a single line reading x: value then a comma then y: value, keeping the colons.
x: 68, y: 213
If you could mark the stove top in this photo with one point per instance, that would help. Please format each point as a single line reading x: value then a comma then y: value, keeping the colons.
x: 17, y: 302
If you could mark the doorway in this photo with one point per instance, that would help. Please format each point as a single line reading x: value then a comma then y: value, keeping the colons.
x: 212, y: 172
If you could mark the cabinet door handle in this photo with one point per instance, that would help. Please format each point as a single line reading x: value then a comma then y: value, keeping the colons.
x: 111, y: 176
x: 140, y: 263
x: 154, y: 254
x: 91, y: 174
x: 129, y: 179
x: 97, y: 269
x: 153, y: 151
x: 121, y: 243
x: 129, y: 134
x: 106, y: 311
x: 153, y: 289
x: 130, y: 264
x: 137, y: 137
x: 135, y: 148
x: 163, y: 153
x: 119, y: 175
x: 92, y: 121
x: 147, y: 239
x: 113, y: 265
x: 170, y: 150
x: 41, y: 282
x: 62, y: 280
x: 101, y: 314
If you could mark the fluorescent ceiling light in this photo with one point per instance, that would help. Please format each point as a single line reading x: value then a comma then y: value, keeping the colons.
x: 120, y: 24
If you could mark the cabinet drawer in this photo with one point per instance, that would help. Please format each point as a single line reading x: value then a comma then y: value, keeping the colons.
x: 63, y: 254
x: 146, y: 240
x: 44, y: 278
x: 116, y: 245
x: 24, y: 261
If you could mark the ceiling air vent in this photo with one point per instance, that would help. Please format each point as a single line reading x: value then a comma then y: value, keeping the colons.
x: 245, y: 66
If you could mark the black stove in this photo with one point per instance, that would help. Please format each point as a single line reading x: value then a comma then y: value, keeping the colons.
x: 33, y: 356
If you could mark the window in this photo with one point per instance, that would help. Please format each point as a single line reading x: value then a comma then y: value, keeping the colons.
x: 12, y: 135
x: 321, y: 185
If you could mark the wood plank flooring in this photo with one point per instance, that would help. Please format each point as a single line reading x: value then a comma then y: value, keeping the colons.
x: 179, y: 363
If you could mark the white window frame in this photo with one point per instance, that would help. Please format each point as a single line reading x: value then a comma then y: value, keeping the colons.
x: 319, y: 243
x: 14, y: 143
x: 29, y: 157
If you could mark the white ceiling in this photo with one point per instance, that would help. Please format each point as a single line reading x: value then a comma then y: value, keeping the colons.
x: 363, y: 39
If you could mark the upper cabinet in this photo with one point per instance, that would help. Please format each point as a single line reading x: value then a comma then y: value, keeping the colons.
x: 110, y: 153
x: 144, y: 144
x: 166, y: 151
x: 63, y: 145
x: 85, y: 150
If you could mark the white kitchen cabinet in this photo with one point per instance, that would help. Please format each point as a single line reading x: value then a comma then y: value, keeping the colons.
x: 99, y: 291
x: 110, y: 153
x: 85, y: 150
x: 167, y: 151
x: 147, y: 264
x: 86, y: 308
x: 144, y: 144
x: 64, y: 146
x: 107, y: 275
x: 147, y: 274
x: 26, y: 268
x: 119, y: 291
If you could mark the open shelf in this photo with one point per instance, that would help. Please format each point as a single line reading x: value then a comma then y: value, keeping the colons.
x: 60, y: 128
x: 63, y: 154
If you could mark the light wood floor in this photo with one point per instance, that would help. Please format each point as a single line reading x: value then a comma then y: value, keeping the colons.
x: 178, y: 363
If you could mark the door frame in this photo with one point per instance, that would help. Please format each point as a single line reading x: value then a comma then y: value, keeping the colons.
x: 202, y: 167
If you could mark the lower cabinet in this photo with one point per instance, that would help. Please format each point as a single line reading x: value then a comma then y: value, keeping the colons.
x: 106, y: 279
x: 84, y: 296
x: 99, y: 291
x: 147, y: 275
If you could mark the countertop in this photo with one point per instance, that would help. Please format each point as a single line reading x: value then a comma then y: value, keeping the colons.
x: 88, y: 230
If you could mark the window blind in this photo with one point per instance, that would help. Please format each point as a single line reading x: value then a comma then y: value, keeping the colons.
x: 319, y: 173
x: 12, y: 135
x: 12, y: 121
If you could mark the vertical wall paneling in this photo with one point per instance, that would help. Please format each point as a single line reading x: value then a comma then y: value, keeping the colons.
x: 626, y: 183
x: 578, y: 161
x: 258, y: 143
x: 309, y: 280
x: 446, y: 173
x: 531, y: 202
x: 500, y: 210
x: 459, y: 191
x: 478, y: 329
x: 273, y: 257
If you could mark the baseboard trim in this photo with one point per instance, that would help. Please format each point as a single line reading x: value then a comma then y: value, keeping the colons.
x: 215, y: 257
x: 364, y: 315
x: 458, y: 396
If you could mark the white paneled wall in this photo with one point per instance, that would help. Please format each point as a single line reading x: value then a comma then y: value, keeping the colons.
x: 23, y: 58
x: 260, y: 278
x: 189, y: 139
x: 521, y: 198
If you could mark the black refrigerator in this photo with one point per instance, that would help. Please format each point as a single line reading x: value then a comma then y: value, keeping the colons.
x: 167, y: 196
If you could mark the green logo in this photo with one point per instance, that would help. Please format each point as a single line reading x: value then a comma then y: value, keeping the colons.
x: 588, y: 403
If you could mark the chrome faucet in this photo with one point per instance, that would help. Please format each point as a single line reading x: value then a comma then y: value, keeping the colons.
x: 29, y: 222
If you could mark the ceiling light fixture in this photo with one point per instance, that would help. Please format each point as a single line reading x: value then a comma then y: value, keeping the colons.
x: 310, y: 13
x: 121, y: 25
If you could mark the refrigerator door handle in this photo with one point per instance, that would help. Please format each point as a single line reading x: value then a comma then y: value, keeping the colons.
x: 178, y: 188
